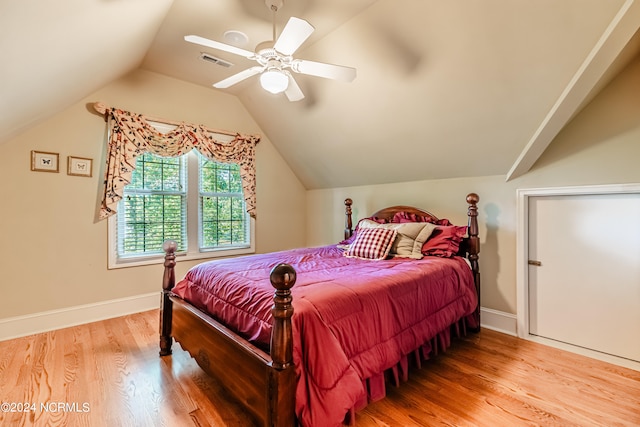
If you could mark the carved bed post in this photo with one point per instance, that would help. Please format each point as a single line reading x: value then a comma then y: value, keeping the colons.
x: 282, y: 277
x: 282, y: 380
x: 473, y: 246
x: 348, y: 227
x: 166, y: 306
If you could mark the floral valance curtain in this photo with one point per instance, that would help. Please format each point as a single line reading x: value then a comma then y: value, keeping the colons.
x: 132, y: 135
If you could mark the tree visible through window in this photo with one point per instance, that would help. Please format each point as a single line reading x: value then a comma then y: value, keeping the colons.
x: 158, y: 204
x: 222, y: 206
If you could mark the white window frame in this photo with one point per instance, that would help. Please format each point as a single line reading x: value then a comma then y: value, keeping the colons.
x: 194, y: 251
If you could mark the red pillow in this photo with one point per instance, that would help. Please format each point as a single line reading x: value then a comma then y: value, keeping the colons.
x: 444, y: 241
x: 404, y: 217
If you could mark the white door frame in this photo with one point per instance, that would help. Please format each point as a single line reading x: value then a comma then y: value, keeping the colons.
x: 522, y: 239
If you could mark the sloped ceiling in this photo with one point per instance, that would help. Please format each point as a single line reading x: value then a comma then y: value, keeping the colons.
x: 444, y: 88
x: 54, y: 53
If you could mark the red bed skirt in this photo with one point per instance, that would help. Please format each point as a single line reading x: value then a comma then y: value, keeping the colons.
x: 376, y: 385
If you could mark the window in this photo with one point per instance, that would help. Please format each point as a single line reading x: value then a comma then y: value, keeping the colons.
x: 222, y: 207
x: 190, y: 199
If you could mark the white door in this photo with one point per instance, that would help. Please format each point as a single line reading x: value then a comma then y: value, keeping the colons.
x: 586, y: 289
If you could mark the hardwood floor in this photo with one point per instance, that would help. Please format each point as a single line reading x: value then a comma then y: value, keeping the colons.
x: 109, y: 374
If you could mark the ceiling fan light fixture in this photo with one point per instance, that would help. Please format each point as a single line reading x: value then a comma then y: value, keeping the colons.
x: 274, y: 80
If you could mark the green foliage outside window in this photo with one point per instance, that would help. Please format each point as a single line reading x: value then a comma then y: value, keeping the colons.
x: 222, y: 206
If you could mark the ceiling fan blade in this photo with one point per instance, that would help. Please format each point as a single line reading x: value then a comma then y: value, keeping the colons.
x: 293, y: 35
x: 320, y: 69
x: 217, y: 45
x: 293, y: 92
x: 237, y: 78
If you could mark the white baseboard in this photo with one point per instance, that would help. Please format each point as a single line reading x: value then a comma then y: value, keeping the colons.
x: 498, y: 321
x: 20, y: 326
x: 507, y: 324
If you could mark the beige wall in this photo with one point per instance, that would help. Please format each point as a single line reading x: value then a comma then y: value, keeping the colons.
x: 55, y: 253
x: 600, y: 146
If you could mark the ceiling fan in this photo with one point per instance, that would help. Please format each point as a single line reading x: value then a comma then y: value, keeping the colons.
x: 276, y: 61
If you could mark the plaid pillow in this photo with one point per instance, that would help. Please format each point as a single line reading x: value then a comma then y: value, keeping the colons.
x: 372, y: 243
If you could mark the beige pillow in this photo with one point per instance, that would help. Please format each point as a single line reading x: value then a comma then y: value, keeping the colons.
x: 411, y: 236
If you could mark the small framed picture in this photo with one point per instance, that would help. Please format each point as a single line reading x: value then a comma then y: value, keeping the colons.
x: 42, y: 161
x: 79, y: 166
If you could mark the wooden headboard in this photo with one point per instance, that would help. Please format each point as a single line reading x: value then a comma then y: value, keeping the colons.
x: 388, y: 213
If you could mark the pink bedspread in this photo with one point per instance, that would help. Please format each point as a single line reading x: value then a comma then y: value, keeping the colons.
x: 352, y: 319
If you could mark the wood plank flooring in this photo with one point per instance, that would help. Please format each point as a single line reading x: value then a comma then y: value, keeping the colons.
x: 109, y: 374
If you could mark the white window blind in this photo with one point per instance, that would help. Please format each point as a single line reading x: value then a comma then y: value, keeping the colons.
x: 154, y: 207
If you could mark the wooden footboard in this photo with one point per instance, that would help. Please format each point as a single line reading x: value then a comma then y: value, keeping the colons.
x: 248, y: 373
x: 263, y: 383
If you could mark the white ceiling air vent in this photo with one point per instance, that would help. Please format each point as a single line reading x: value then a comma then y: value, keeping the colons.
x: 215, y: 60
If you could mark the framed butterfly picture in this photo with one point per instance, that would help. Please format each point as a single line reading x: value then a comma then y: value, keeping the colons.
x: 42, y: 161
x: 79, y: 166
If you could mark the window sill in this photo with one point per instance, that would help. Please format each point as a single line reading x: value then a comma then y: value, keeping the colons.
x: 180, y: 256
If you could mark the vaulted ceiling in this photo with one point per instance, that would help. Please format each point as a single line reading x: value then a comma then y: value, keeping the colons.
x: 443, y: 89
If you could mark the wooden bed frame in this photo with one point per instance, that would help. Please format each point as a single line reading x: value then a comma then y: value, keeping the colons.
x: 265, y: 383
